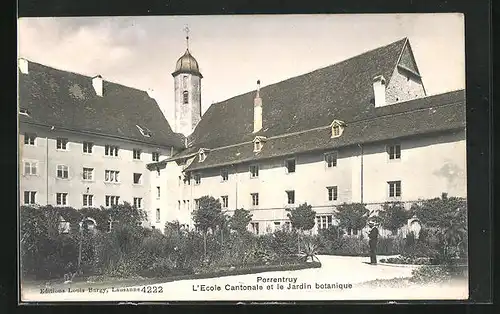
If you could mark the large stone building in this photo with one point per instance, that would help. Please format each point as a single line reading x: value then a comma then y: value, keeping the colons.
x: 85, y: 142
x: 362, y: 130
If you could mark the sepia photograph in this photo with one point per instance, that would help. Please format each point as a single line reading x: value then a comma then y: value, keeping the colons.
x: 242, y: 158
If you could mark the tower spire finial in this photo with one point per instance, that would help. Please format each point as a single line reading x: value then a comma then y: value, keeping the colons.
x: 186, y: 30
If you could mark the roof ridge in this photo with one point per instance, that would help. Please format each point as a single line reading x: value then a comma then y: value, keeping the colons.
x: 82, y: 75
x: 318, y: 69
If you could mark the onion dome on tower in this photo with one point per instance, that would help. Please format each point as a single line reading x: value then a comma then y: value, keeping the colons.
x: 187, y: 63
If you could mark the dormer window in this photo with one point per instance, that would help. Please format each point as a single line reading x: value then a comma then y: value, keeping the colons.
x: 24, y: 112
x: 258, y: 142
x: 202, y: 154
x: 337, y: 128
x: 144, y: 131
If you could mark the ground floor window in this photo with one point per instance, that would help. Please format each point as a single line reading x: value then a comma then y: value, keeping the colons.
x: 323, y: 221
x: 255, y: 227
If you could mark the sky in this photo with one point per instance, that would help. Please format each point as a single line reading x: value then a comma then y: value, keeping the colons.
x: 235, y: 51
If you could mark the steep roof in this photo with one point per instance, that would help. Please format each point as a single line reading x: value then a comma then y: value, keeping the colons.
x: 431, y: 114
x: 68, y: 100
x: 342, y: 91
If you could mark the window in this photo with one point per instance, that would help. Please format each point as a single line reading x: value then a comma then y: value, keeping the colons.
x: 336, y: 130
x: 255, y: 227
x: 277, y: 225
x: 137, y: 178
x: 323, y: 221
x: 331, y: 160
x: 29, y: 197
x: 157, y: 192
x: 88, y: 174
x: 291, y: 197
x: 288, y: 225
x: 138, y: 202
x: 88, y: 200
x: 110, y: 150
x: 29, y: 139
x: 111, y: 176
x: 196, y: 203
x: 187, y: 178
x: 254, y: 171
x: 394, y: 188
x: 224, y: 173
x: 24, y: 112
x: 290, y: 165
x: 112, y: 200
x: 137, y: 154
x: 178, y: 205
x: 157, y: 215
x: 202, y: 156
x: 155, y: 156
x: 184, y: 81
x: 144, y: 131
x: 394, y: 152
x: 30, y: 168
x: 255, y: 199
x: 62, y: 143
x: 332, y: 193
x: 185, y: 97
x: 197, y: 179
x: 187, y: 204
x: 87, y: 147
x: 225, y: 201
x: 61, y: 199
x: 257, y: 146
x: 62, y: 171
x: 110, y: 226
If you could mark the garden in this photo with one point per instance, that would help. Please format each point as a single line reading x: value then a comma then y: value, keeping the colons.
x: 63, y: 244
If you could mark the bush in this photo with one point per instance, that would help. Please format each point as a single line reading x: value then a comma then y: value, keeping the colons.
x: 428, y: 273
x: 394, y: 216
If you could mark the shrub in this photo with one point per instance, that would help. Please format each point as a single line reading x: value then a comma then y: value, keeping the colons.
x: 390, y: 245
x: 329, y: 239
x: 394, y: 216
x: 352, y: 216
x: 431, y: 273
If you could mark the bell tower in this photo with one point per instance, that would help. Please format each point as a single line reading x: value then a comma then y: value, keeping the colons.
x: 187, y: 84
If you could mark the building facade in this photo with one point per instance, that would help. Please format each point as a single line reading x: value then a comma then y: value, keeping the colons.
x: 362, y: 130
x: 80, y: 145
x: 375, y: 137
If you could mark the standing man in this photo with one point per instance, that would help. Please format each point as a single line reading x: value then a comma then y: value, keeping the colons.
x: 373, y: 236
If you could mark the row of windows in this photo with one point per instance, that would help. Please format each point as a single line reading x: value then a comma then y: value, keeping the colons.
x: 394, y: 188
x: 322, y: 222
x: 88, y: 147
x: 87, y: 199
x: 394, y: 152
x: 62, y: 172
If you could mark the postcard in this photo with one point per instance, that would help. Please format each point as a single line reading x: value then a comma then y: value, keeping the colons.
x: 242, y: 158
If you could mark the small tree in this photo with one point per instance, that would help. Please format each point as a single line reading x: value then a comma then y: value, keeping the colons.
x: 302, y: 218
x: 207, y: 217
x: 240, y: 220
x: 447, y: 216
x: 352, y: 216
x: 394, y: 216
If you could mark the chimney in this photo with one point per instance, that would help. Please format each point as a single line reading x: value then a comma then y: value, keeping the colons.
x: 23, y: 65
x: 97, y: 84
x: 379, y: 90
x: 257, y: 110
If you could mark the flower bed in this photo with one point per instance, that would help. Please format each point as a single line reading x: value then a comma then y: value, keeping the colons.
x: 407, y: 260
